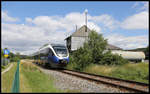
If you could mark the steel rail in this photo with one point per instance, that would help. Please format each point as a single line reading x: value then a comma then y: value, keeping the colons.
x: 121, y: 83
x: 111, y: 81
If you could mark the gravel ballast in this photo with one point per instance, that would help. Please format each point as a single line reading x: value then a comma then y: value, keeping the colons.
x: 68, y: 82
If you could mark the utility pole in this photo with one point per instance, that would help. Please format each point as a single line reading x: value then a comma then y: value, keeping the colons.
x: 86, y: 11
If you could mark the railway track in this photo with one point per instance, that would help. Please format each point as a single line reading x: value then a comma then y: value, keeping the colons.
x: 122, y: 84
x: 132, y: 86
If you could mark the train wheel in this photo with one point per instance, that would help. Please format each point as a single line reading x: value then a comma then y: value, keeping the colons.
x: 46, y: 65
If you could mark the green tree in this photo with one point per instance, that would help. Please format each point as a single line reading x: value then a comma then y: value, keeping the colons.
x: 94, y: 51
x: 97, y: 44
x: 81, y: 58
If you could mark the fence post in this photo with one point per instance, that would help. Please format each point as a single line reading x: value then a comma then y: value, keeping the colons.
x: 15, y: 86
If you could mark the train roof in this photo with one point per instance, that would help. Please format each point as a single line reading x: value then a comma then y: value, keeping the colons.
x: 57, y: 44
x: 45, y: 46
x: 52, y: 44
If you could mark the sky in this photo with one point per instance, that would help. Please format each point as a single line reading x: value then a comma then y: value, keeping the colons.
x: 27, y: 25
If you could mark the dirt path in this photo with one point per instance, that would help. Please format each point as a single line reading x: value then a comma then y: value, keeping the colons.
x: 7, y: 69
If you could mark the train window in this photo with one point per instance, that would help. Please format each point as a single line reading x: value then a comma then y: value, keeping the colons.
x: 50, y: 53
x: 42, y: 58
x: 60, y: 50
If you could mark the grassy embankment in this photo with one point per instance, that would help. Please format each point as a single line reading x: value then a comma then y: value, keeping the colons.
x: 132, y: 71
x: 7, y: 79
x: 33, y: 80
x: 135, y: 71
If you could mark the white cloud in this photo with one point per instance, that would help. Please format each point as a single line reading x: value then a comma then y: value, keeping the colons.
x: 136, y: 21
x: 145, y: 6
x: 24, y: 37
x: 128, y: 42
x: 28, y: 20
x: 43, y: 29
x: 7, y: 18
x: 140, y: 20
x: 141, y: 6
x: 107, y: 20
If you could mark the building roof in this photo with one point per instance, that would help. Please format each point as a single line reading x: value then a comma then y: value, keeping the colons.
x: 112, y: 47
x: 81, y: 32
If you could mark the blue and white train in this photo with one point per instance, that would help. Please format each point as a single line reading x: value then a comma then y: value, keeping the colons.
x: 53, y: 55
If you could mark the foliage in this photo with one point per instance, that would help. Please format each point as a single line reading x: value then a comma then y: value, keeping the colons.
x: 13, y: 57
x: 94, y: 52
x: 112, y: 59
x: 131, y: 71
x: 96, y: 44
x: 80, y: 61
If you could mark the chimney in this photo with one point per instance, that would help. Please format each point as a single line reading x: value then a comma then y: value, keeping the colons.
x: 86, y: 11
x: 76, y: 28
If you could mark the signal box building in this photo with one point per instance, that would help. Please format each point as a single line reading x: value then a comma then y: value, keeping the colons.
x: 77, y: 39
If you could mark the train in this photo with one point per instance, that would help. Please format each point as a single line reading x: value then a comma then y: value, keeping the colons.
x: 52, y: 55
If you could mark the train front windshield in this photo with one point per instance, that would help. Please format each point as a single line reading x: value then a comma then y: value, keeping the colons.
x: 60, y: 50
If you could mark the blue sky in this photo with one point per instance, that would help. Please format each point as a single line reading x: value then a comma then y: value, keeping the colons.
x: 119, y: 22
x: 119, y: 10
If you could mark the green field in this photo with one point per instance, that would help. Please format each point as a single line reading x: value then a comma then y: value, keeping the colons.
x: 132, y: 71
x: 7, y: 79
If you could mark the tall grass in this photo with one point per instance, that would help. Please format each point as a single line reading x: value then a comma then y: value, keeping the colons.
x: 35, y: 80
x: 7, y: 79
x: 136, y: 72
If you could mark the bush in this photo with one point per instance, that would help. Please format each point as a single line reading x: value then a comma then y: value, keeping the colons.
x: 14, y: 59
x: 112, y: 59
x: 93, y: 52
x: 80, y: 61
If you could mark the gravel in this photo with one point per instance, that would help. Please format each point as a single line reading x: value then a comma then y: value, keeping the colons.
x: 68, y: 82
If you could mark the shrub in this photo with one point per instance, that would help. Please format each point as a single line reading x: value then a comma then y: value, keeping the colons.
x: 93, y: 52
x: 14, y: 59
x: 112, y: 59
x: 80, y: 59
